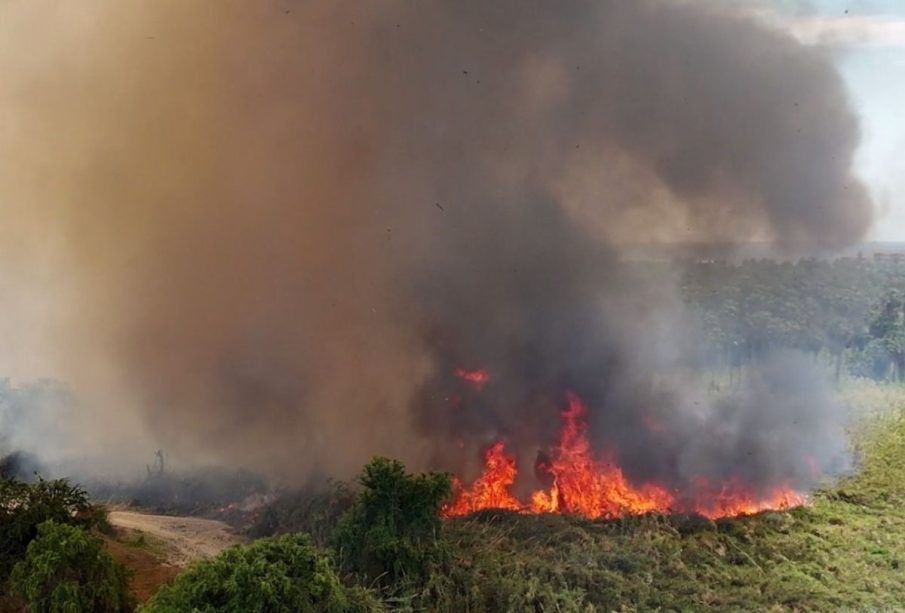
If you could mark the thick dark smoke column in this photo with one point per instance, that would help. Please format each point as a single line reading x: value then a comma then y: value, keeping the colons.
x: 265, y: 210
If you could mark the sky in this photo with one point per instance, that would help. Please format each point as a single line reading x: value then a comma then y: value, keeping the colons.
x: 867, y: 41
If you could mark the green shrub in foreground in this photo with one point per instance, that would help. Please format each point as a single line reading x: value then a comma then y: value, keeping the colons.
x: 66, y: 569
x: 285, y: 574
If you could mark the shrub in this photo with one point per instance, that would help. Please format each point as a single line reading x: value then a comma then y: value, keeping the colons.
x: 285, y: 574
x: 392, y: 537
x: 67, y: 569
x: 24, y: 506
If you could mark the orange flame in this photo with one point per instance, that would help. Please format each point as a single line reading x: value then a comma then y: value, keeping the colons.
x: 733, y: 498
x: 597, y: 488
x: 478, y: 378
x: 585, y: 486
x: 491, y: 490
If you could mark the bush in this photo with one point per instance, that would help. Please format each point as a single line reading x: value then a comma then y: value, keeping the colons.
x: 67, y: 569
x: 285, y: 574
x: 24, y: 507
x: 392, y: 537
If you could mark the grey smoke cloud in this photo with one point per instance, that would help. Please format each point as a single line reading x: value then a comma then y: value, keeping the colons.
x: 260, y: 212
x: 851, y: 31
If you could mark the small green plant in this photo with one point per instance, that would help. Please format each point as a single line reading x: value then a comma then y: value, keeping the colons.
x: 277, y: 575
x: 392, y: 536
x: 66, y: 569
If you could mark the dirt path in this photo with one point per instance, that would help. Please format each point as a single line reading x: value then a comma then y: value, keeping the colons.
x: 185, y: 539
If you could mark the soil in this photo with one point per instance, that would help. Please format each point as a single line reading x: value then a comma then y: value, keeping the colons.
x: 185, y: 539
x: 156, y: 548
x: 149, y: 572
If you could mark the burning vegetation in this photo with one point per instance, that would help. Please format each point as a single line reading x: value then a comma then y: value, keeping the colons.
x: 594, y: 486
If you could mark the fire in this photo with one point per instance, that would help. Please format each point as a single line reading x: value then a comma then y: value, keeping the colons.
x: 733, y: 498
x: 596, y: 487
x: 491, y: 490
x: 586, y: 486
x: 478, y: 378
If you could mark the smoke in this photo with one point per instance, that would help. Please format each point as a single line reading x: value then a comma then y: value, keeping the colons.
x: 34, y: 420
x: 267, y: 232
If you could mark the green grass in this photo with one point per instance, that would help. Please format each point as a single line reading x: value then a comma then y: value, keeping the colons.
x: 136, y: 539
x: 844, y: 552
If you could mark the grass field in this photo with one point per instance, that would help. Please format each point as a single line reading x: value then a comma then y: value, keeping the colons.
x: 844, y: 552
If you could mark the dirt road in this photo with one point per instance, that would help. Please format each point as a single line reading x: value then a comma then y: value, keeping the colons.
x: 186, y: 539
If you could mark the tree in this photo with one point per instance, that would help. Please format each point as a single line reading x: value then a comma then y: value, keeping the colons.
x: 816, y: 306
x: 24, y: 507
x: 888, y: 326
x: 66, y: 569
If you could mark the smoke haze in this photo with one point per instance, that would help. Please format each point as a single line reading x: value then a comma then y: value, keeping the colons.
x: 266, y: 233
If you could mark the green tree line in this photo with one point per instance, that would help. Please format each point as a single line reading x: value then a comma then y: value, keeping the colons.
x: 851, y: 311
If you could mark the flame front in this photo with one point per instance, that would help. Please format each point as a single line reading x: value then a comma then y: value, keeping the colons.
x: 491, y: 490
x: 597, y: 488
x: 586, y: 486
